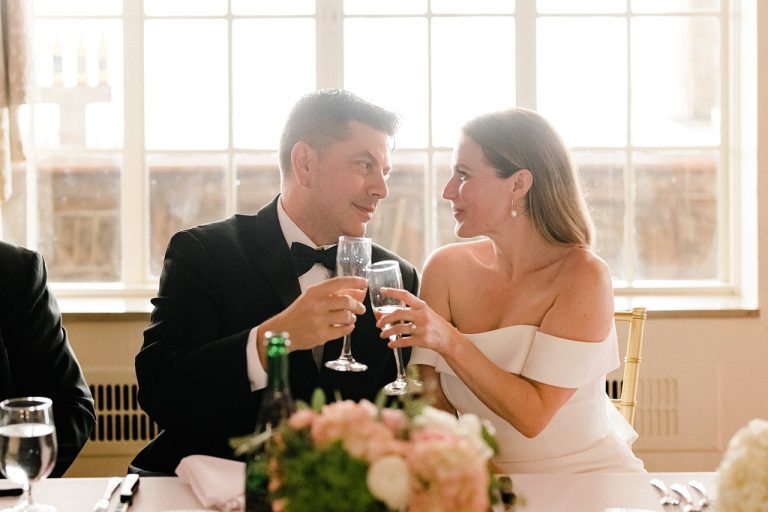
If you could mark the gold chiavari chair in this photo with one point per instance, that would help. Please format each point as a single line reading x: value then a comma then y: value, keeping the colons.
x: 627, y: 401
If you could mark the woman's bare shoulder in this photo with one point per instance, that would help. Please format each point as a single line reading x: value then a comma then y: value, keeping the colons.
x: 454, y: 253
x: 583, y: 308
x: 440, y: 269
x: 582, y: 266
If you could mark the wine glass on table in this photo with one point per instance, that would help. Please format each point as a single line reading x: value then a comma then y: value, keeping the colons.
x: 27, y: 446
x: 386, y: 274
x: 352, y: 259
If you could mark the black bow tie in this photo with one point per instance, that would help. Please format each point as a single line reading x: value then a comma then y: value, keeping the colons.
x: 303, y: 257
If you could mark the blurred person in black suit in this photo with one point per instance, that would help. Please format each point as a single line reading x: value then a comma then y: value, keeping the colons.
x: 223, y: 285
x: 35, y: 356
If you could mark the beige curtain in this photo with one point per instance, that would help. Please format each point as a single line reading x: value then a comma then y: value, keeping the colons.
x: 16, y: 86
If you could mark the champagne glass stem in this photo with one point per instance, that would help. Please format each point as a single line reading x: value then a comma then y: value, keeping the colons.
x: 399, y: 362
x: 398, y: 386
x: 26, y: 495
x: 346, y: 348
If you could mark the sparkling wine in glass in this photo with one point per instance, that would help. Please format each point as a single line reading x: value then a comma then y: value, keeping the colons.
x: 27, y: 446
x: 352, y: 259
x: 386, y: 274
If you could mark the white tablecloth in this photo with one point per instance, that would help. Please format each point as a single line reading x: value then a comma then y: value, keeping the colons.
x: 80, y: 494
x: 597, y: 492
x: 543, y: 493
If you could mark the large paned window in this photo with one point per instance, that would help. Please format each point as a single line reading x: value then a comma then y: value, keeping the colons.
x: 159, y: 115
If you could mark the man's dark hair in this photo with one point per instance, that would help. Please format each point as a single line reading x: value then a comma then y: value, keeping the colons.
x: 322, y: 118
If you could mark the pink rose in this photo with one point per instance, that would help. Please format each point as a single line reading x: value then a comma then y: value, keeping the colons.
x: 395, y: 420
x: 301, y: 419
x: 448, y: 474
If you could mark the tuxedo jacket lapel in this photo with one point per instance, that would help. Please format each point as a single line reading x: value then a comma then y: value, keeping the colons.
x: 270, y: 252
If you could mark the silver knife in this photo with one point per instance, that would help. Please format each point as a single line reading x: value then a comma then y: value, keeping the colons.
x: 127, y: 490
x: 103, y: 504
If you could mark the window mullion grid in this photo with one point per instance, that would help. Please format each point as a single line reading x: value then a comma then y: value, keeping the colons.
x: 31, y: 207
x: 329, y: 43
x: 525, y: 53
x: 430, y: 177
x: 743, y: 157
x: 230, y: 178
x: 134, y: 202
x: 630, y: 189
x: 728, y: 229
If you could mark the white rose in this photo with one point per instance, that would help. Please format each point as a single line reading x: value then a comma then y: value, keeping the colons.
x: 438, y: 419
x: 468, y: 426
x: 743, y: 472
x: 471, y: 428
x: 389, y: 480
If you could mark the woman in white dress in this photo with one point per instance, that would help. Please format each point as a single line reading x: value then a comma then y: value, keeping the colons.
x: 518, y: 327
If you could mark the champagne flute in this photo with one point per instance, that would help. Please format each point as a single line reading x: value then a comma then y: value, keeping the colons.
x: 386, y: 274
x: 352, y: 259
x: 27, y: 446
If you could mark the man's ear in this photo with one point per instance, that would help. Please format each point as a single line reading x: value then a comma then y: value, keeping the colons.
x: 301, y: 155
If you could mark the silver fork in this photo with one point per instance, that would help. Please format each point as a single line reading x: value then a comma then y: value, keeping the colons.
x: 687, y: 502
x: 702, y: 491
x: 666, y: 500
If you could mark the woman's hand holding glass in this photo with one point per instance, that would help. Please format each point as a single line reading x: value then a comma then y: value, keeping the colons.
x: 382, y: 275
x: 27, y: 446
x: 415, y: 324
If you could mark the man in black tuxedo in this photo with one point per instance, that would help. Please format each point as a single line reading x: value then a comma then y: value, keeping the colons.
x: 223, y: 285
x: 35, y: 356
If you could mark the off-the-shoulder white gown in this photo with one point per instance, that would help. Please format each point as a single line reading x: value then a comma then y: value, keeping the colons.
x: 586, y: 435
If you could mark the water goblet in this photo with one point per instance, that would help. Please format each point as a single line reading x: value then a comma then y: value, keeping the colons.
x: 352, y: 259
x: 386, y: 274
x: 27, y: 446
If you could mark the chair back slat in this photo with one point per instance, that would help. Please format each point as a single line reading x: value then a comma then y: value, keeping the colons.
x: 627, y: 402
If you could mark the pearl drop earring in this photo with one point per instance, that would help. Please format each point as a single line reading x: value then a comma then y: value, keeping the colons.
x: 514, y: 212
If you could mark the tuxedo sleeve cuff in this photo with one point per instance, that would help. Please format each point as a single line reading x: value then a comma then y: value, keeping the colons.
x: 257, y: 376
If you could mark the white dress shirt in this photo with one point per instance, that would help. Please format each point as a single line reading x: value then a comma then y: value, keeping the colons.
x: 257, y: 375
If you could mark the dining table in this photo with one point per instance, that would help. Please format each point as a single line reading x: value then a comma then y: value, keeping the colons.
x: 594, y: 492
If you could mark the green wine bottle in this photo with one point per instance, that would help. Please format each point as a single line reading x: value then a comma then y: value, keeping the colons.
x: 276, y: 406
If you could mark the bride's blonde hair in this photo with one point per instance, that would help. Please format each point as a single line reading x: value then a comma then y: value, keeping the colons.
x: 521, y: 139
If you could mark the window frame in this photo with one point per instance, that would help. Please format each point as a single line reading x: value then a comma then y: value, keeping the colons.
x: 738, y: 174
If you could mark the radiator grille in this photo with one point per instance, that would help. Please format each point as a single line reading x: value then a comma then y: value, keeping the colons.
x: 118, y: 415
x: 613, y: 388
x: 657, y: 413
x: 122, y: 428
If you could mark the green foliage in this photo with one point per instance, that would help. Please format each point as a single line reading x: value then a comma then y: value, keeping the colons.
x: 329, y: 479
x: 305, y: 471
x: 250, y: 443
x: 490, y: 440
x: 318, y: 399
x: 505, y: 493
x: 413, y: 404
x: 381, y: 400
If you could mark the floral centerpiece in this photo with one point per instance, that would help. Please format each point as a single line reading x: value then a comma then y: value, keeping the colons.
x: 743, y: 473
x: 348, y: 456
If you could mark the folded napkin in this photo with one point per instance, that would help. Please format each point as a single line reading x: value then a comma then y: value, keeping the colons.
x: 216, y: 482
